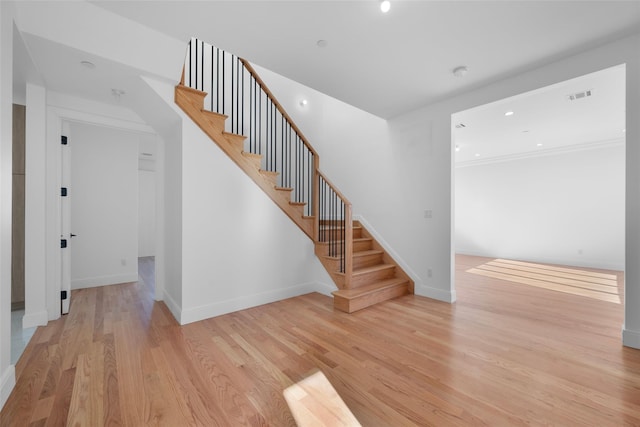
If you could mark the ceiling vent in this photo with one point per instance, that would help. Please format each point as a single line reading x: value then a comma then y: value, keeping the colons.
x: 579, y: 95
x: 460, y: 126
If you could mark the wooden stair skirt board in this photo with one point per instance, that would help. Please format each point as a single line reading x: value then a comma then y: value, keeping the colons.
x: 376, y: 276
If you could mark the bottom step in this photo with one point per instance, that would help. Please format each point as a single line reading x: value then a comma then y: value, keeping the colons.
x: 350, y: 300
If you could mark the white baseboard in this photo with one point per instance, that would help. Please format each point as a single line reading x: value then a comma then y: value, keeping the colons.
x: 435, y: 293
x: 630, y: 338
x: 39, y: 318
x: 173, y: 306
x: 397, y: 258
x: 7, y: 383
x: 94, y: 282
x: 325, y: 289
x: 229, y: 306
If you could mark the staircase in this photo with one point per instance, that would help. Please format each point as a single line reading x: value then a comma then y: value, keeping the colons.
x: 226, y: 98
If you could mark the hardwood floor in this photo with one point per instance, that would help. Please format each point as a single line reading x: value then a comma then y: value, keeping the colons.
x: 505, y: 353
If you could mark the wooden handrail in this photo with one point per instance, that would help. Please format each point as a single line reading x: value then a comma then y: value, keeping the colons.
x: 279, y: 106
x: 342, y: 197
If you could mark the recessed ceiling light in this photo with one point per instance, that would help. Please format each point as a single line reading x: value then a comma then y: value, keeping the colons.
x: 508, y: 113
x: 477, y: 154
x: 538, y: 145
x: 303, y: 102
x: 88, y: 64
x: 460, y: 71
x: 322, y: 43
x: 385, y: 6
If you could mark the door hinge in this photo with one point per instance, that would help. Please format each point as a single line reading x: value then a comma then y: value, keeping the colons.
x: 63, y: 191
x: 63, y: 243
x: 63, y: 295
x: 64, y: 140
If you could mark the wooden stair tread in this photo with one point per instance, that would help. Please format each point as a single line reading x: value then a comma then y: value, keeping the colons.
x: 368, y: 252
x: 360, y: 254
x: 234, y: 135
x: 214, y: 114
x: 298, y: 203
x: 192, y: 90
x: 235, y: 139
x: 355, y: 239
x: 369, y: 289
x: 337, y: 227
x: 283, y: 188
x: 377, y: 267
x: 266, y: 172
x: 254, y: 155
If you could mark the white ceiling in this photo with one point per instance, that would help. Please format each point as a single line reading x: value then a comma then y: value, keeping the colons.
x: 545, y: 120
x: 387, y: 64
x: 391, y: 63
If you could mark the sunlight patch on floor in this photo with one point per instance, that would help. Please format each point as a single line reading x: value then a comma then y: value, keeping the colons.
x: 590, y: 284
x: 314, y: 402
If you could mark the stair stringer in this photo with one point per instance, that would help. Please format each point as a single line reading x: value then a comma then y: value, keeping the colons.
x: 191, y: 102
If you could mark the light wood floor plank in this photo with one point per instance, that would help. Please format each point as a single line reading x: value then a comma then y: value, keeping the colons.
x: 560, y: 269
x: 552, y: 278
x: 505, y: 354
x: 543, y: 284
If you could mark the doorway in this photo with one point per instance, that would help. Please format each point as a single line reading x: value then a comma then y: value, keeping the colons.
x: 112, y: 203
x: 540, y: 177
x: 20, y: 336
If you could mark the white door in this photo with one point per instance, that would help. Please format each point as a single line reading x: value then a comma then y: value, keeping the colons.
x: 65, y: 217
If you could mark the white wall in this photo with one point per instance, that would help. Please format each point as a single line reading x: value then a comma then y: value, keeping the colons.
x: 35, y: 207
x: 169, y: 202
x: 564, y: 208
x: 380, y: 167
x: 7, y: 371
x: 238, y: 249
x: 147, y: 159
x: 393, y: 174
x: 65, y: 109
x: 146, y: 213
x: 104, y: 206
x: 438, y: 186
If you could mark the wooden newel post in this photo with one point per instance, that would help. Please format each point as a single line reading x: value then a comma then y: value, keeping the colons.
x: 316, y: 197
x: 348, y: 248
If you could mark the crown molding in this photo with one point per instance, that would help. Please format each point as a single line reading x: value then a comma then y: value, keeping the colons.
x: 543, y: 153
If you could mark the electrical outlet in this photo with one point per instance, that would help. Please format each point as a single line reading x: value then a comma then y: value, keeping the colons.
x: 123, y: 262
x: 428, y: 213
x: 429, y: 272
